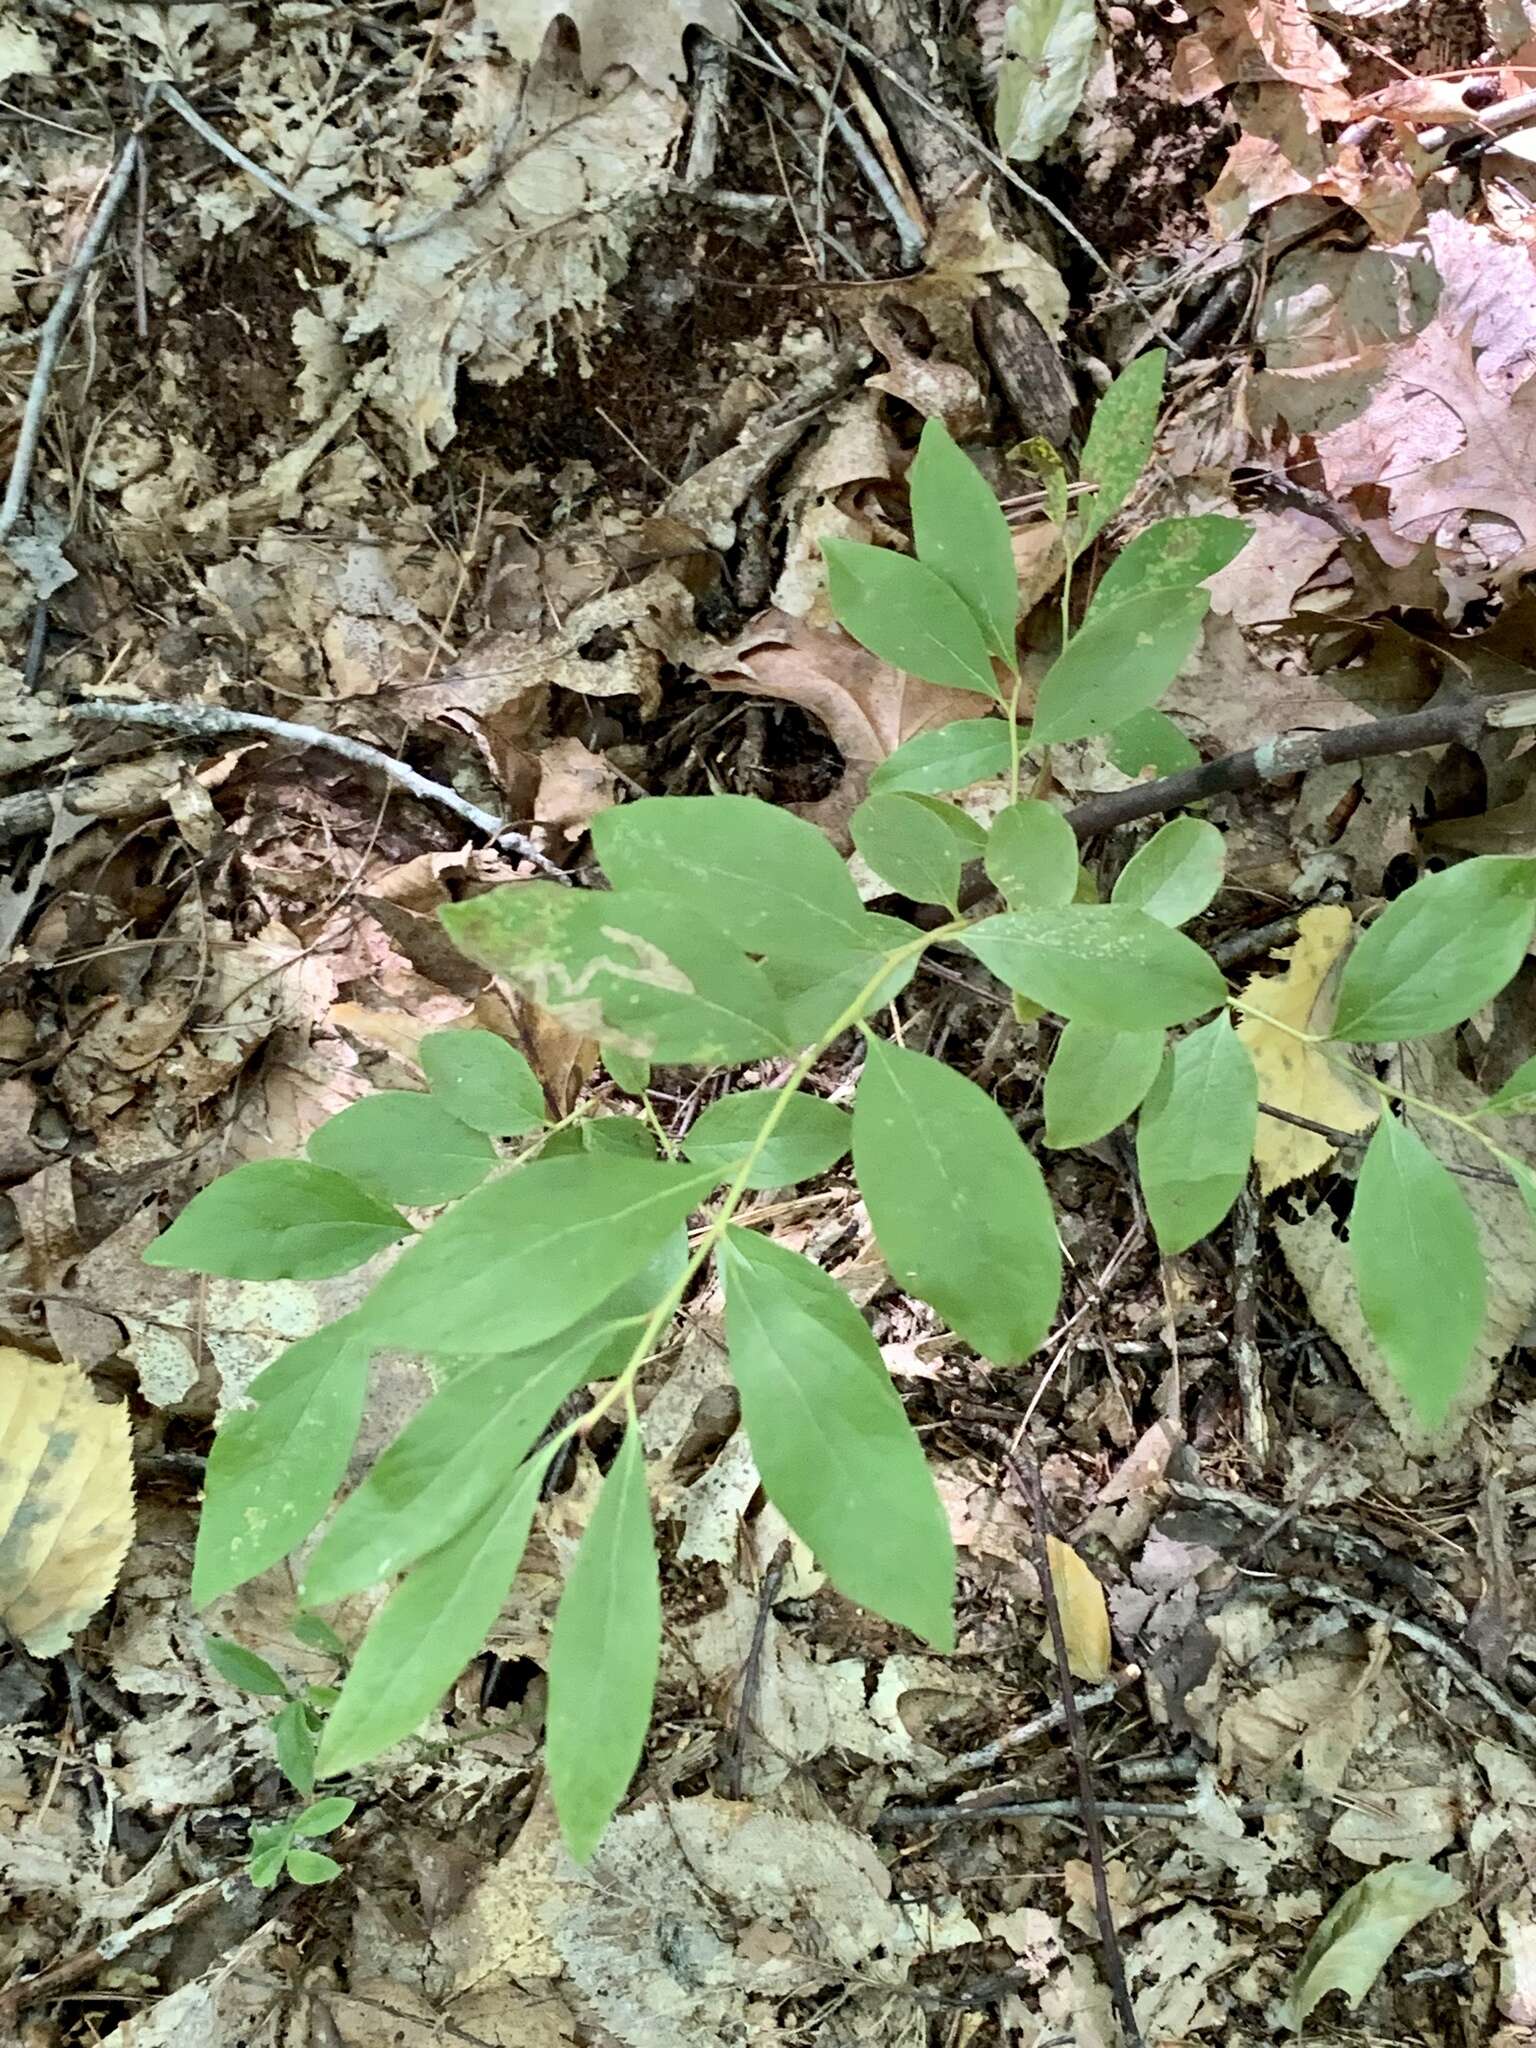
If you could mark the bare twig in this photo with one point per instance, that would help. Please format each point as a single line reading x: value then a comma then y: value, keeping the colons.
x: 173, y: 1913
x: 212, y: 721
x: 1070, y: 1809
x: 1294, y: 753
x: 360, y: 238
x: 1026, y: 1732
x: 909, y: 232
x: 752, y: 1671
x: 51, y: 338
x: 1462, y: 1669
x: 1494, y: 1176
x: 1245, y: 1328
x: 1026, y: 1476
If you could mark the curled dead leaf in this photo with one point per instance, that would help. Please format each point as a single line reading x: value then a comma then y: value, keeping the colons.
x: 66, y: 1500
x: 1293, y: 1075
x: 1084, y: 1615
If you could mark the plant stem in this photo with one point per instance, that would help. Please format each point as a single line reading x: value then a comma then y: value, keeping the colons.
x: 661, y: 1316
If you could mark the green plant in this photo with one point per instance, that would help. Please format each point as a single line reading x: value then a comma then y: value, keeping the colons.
x: 276, y: 1849
x: 732, y: 932
x: 296, y: 1730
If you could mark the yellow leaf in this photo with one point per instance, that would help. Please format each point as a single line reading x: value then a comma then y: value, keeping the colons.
x: 1084, y: 1616
x: 66, y: 1500
x: 1294, y: 1076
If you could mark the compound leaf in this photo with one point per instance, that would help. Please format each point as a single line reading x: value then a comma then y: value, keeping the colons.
x: 787, y: 888
x: 1096, y: 1079
x: 1118, y: 664
x: 907, y: 615
x: 1194, y: 1138
x: 957, y: 1203
x: 837, y: 1454
x: 959, y: 531
x: 949, y: 757
x: 911, y: 847
x: 485, y: 1082
x: 1419, y: 1267
x: 1031, y: 856
x: 276, y: 1465
x: 1119, y: 443
x: 404, y: 1148
x: 1442, y: 950
x: 809, y: 1137
x: 278, y: 1219
x: 527, y: 1256
x: 1100, y: 963
x: 629, y: 967
x: 432, y: 1624
x: 603, y: 1656
x: 1176, y: 874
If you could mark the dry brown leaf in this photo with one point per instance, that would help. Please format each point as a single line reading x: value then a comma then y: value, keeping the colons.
x: 66, y: 1500
x: 574, y: 785
x: 1084, y: 1615
x: 1251, y: 42
x: 1294, y: 1076
x: 648, y: 39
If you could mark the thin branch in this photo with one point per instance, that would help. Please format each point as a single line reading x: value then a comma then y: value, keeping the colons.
x: 360, y: 238
x: 51, y: 338
x: 212, y: 721
x: 1291, y: 754
x: 1026, y: 1732
x: 1495, y: 1176
x: 1026, y: 1476
x: 1069, y: 1809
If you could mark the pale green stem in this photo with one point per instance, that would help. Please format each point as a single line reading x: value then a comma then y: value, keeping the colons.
x: 620, y: 1389
x: 663, y: 1140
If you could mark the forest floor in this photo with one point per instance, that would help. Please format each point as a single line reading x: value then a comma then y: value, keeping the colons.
x: 501, y: 438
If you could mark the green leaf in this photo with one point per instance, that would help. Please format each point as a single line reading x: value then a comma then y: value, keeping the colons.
x: 625, y: 1135
x: 1351, y: 1947
x: 1032, y: 856
x: 308, y: 1866
x: 1047, y: 55
x: 404, y: 1148
x: 318, y: 1634
x: 242, y: 1667
x: 294, y: 1741
x: 809, y: 1137
x: 454, y: 1457
x: 1419, y: 1267
x: 265, y: 1866
x: 876, y: 962
x: 628, y: 1073
x: 1102, y: 963
x: 1170, y: 555
x: 949, y: 757
x: 907, y: 615
x: 432, y: 1624
x: 1442, y: 950
x: 1119, y: 663
x: 958, y: 1204
x: 1151, y: 740
x: 1176, y: 874
x: 324, y: 1817
x: 1518, y: 1095
x: 603, y: 1656
x: 1119, y: 443
x: 304, y: 1421
x: 485, y: 1082
x: 787, y: 889
x: 1194, y: 1138
x: 1096, y: 1079
x: 278, y: 1219
x: 630, y: 968
x: 837, y: 1455
x: 959, y: 531
x: 910, y: 848
x: 527, y: 1256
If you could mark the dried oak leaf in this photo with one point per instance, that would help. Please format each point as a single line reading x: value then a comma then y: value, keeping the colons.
x: 1292, y: 1075
x: 66, y: 1500
x: 1434, y: 393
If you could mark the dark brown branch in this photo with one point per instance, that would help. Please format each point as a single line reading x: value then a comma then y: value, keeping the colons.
x: 1026, y: 1476
x: 1290, y: 754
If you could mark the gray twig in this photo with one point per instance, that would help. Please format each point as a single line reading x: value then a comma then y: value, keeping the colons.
x: 1026, y: 1476
x: 1291, y: 754
x: 1026, y: 1732
x: 1245, y: 1327
x: 212, y: 721
x: 51, y: 338
x: 1070, y: 1809
x: 360, y: 238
